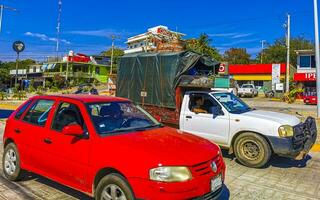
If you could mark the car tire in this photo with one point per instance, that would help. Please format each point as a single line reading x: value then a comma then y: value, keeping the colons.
x: 252, y: 150
x: 113, y: 184
x: 11, y: 163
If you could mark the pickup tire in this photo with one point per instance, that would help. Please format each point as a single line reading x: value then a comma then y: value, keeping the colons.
x: 11, y: 163
x: 252, y: 150
x: 114, y: 186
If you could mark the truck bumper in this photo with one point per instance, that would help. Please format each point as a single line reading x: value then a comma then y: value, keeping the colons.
x: 298, y: 146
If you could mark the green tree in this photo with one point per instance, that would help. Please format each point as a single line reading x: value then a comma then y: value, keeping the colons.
x: 117, y: 53
x: 237, y: 56
x: 202, y: 45
x: 277, y: 52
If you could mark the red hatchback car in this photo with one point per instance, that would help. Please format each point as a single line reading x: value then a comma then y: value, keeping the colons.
x: 109, y: 148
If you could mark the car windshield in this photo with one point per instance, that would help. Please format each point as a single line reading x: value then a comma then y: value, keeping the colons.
x: 118, y: 117
x: 232, y: 103
x: 247, y: 86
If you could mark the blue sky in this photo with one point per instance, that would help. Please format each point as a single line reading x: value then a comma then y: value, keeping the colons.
x: 86, y: 26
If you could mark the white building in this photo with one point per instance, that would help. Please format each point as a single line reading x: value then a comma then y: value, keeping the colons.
x: 148, y: 41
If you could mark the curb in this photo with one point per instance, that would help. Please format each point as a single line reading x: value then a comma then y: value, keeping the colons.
x: 315, y: 148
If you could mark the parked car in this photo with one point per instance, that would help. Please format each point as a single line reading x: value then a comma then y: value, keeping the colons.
x: 109, y: 148
x: 247, y: 90
x: 87, y: 89
x: 310, y: 100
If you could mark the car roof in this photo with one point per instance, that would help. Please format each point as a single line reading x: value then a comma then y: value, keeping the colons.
x: 84, y: 98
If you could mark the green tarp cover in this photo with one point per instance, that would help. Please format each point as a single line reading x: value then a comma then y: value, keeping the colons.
x: 158, y: 74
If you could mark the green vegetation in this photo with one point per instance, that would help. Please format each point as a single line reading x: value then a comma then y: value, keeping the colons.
x: 237, y: 56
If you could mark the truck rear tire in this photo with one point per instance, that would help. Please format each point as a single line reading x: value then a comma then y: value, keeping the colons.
x: 252, y: 150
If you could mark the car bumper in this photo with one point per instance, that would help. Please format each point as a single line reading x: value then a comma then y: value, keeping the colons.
x: 197, y: 188
x: 298, y: 146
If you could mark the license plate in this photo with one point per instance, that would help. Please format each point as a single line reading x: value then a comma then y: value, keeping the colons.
x: 216, y: 183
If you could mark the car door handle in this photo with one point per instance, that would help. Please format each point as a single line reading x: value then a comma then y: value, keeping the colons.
x: 17, y: 130
x: 47, y: 140
x: 188, y: 117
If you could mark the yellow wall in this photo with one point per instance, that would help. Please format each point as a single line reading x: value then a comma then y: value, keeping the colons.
x: 258, y: 77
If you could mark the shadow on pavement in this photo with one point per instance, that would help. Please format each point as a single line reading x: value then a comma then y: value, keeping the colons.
x: 225, y: 194
x: 5, y: 113
x: 275, y: 161
x: 64, y: 189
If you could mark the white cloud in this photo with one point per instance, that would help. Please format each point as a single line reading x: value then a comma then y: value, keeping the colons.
x: 231, y: 35
x: 100, y: 32
x: 239, y: 42
x: 44, y: 37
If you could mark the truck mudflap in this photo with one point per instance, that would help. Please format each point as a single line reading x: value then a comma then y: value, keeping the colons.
x: 305, y: 136
x: 299, y: 145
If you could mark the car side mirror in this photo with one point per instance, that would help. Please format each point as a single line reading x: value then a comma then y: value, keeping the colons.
x: 74, y: 130
x: 216, y: 111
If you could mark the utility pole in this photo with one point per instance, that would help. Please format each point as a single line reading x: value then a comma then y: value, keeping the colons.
x: 287, y: 25
x: 262, y: 48
x: 2, y: 7
x: 317, y: 50
x: 58, y: 27
x: 113, y: 37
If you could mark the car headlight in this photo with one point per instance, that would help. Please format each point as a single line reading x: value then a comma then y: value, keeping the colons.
x: 170, y: 174
x: 285, y: 131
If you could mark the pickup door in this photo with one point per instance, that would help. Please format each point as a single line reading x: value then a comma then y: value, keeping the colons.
x: 208, y: 121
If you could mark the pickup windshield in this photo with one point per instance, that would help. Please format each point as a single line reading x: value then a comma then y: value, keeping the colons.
x: 120, y: 117
x: 232, y: 103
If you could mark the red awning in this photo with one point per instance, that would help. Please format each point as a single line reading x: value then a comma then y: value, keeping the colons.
x: 303, y: 77
x: 254, y: 69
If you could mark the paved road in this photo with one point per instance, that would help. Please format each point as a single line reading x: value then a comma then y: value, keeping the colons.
x: 282, y: 179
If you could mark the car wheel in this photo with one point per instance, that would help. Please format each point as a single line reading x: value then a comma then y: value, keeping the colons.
x: 11, y: 163
x: 113, y: 187
x: 252, y: 150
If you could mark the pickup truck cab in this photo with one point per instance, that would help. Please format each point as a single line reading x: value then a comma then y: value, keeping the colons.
x: 253, y: 135
x: 248, y: 90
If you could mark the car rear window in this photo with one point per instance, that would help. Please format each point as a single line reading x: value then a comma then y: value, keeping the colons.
x: 39, y: 112
x: 22, y: 109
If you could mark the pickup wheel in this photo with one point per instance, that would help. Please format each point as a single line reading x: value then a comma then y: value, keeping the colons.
x: 112, y: 187
x: 252, y: 150
x: 11, y: 163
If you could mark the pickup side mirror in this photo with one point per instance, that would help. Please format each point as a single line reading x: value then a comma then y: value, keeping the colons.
x: 74, y: 130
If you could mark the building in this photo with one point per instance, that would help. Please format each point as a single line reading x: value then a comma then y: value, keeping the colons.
x: 305, y: 76
x: 32, y: 72
x: 77, y: 66
x: 258, y: 74
x: 156, y: 38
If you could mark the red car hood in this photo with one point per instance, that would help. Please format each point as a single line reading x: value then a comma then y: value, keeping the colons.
x: 163, y: 146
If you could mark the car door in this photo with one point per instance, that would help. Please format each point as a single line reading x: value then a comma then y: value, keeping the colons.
x: 212, y: 123
x: 69, y: 155
x: 33, y: 130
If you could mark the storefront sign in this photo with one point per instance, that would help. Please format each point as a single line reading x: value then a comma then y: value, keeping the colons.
x: 223, y: 68
x: 304, y: 77
x: 276, y: 73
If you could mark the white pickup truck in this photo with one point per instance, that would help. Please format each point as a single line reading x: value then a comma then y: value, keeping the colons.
x: 247, y: 90
x: 252, y: 135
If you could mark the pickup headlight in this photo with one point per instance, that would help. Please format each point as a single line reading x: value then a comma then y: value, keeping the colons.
x: 170, y: 174
x: 285, y: 131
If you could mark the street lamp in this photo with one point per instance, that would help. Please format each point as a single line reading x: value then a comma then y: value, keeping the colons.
x: 2, y: 7
x: 317, y: 50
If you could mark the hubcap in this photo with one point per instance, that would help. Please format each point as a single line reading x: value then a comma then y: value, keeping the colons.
x: 113, y: 192
x: 250, y: 150
x: 10, y: 162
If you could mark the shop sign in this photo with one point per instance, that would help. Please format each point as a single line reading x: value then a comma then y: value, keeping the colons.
x: 305, y: 77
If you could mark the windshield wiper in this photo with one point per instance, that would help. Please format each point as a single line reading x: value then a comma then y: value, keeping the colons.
x: 148, y: 127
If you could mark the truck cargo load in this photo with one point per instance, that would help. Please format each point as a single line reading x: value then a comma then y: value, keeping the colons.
x: 152, y: 78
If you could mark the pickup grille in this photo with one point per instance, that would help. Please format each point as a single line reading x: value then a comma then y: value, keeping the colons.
x: 204, y: 168
x: 304, y: 132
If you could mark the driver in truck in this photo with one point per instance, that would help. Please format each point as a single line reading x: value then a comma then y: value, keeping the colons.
x: 199, y: 105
